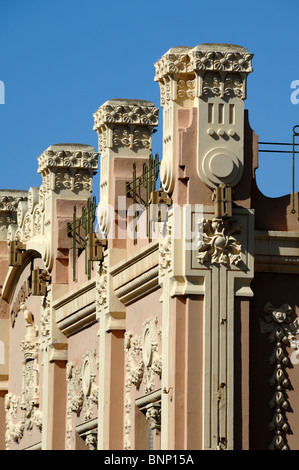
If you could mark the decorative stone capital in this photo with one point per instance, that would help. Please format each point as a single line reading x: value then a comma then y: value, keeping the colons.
x: 208, y: 69
x: 126, y: 123
x: 153, y: 415
x: 122, y: 111
x: 204, y: 57
x: 68, y: 166
x: 212, y: 79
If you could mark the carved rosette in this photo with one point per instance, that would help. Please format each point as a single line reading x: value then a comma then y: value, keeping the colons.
x: 221, y: 243
x: 143, y: 365
x: 82, y: 391
x: 281, y: 333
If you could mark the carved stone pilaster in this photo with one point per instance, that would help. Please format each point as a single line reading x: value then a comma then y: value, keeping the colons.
x: 125, y: 129
x: 212, y: 79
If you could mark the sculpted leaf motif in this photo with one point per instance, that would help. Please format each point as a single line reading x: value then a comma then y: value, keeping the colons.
x: 221, y: 242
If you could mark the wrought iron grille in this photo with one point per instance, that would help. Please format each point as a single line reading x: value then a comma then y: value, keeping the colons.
x: 141, y: 188
x: 79, y: 229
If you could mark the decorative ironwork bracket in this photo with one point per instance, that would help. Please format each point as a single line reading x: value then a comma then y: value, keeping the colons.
x: 80, y: 230
x: 15, y: 252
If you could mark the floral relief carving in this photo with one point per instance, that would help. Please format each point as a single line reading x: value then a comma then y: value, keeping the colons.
x: 125, y: 114
x: 281, y: 333
x: 165, y: 247
x: 186, y: 89
x: 45, y: 321
x: 14, y: 431
x: 202, y: 60
x: 153, y: 415
x: 233, y: 85
x: 10, y: 203
x: 221, y: 243
x: 101, y: 286
x: 211, y: 84
x: 82, y: 391
x: 28, y: 403
x: 143, y: 363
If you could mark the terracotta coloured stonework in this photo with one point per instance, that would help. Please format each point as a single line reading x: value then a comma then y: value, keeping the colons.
x: 163, y: 315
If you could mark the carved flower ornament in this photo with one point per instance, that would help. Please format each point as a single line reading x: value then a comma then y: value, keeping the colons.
x: 221, y: 242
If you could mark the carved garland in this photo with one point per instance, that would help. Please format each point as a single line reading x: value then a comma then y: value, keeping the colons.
x: 281, y: 331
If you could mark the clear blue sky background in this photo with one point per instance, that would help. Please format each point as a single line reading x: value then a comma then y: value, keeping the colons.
x: 61, y: 59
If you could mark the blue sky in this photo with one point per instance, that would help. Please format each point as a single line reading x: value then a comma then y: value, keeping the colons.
x: 60, y: 60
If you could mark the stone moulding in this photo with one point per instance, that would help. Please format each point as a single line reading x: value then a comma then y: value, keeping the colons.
x: 276, y: 251
x: 137, y: 275
x: 76, y: 310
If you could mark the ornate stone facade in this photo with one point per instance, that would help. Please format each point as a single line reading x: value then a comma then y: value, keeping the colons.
x: 164, y: 340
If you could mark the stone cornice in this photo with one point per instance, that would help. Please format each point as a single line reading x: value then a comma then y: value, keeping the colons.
x: 137, y: 275
x: 276, y: 251
x: 76, y: 310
